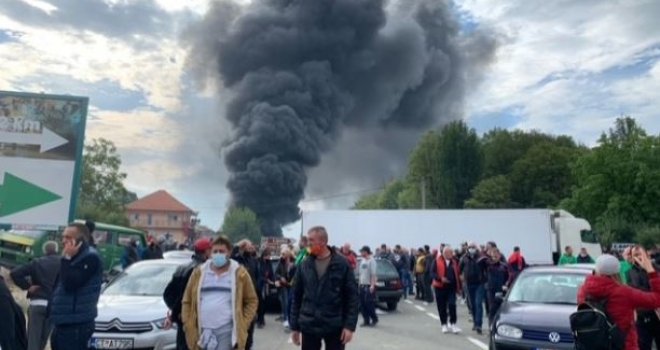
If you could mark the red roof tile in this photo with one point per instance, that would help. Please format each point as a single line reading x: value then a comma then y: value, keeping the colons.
x: 159, y: 201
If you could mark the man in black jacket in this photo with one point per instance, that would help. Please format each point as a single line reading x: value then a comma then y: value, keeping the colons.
x: 173, y: 294
x: 245, y: 253
x: 38, y: 279
x: 648, y: 321
x: 325, y: 298
x: 12, y: 331
x: 474, y: 277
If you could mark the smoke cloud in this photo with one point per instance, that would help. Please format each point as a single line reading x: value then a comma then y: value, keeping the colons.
x: 299, y: 72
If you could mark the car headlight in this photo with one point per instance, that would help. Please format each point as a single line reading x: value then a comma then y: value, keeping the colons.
x: 509, y: 331
x: 28, y: 250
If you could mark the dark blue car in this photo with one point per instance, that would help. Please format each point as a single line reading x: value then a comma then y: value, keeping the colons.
x: 535, y: 313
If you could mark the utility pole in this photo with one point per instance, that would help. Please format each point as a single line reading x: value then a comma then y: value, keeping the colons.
x: 423, y: 191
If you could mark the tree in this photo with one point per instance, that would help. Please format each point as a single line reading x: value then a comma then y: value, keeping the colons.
x: 491, y: 193
x: 387, y: 198
x: 618, y: 182
x: 102, y: 193
x: 370, y: 201
x: 450, y: 163
x: 241, y: 223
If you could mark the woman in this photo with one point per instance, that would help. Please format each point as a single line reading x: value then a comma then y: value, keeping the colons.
x: 621, y: 300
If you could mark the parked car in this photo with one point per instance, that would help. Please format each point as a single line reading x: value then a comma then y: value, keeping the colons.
x: 535, y: 312
x: 131, y: 310
x: 178, y: 254
x: 389, y: 288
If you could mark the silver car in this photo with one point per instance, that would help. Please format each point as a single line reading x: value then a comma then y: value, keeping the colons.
x: 132, y: 310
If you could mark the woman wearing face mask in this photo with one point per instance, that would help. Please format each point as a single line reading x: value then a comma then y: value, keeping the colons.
x: 621, y: 300
x: 220, y: 302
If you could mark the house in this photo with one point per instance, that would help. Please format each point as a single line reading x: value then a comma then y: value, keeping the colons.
x: 160, y: 214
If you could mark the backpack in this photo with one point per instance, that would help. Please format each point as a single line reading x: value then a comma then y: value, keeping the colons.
x: 594, y: 330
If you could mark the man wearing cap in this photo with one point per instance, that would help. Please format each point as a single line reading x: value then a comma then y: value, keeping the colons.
x: 367, y: 288
x: 173, y: 294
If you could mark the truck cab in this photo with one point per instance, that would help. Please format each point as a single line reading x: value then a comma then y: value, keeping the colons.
x: 574, y: 232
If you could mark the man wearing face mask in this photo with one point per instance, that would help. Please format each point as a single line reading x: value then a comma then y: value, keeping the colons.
x: 475, y: 279
x: 219, y: 303
x: 325, y: 298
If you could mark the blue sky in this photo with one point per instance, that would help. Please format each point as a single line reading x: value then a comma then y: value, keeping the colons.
x: 561, y: 67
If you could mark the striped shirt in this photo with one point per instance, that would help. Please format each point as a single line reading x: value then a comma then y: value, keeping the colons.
x: 215, y: 303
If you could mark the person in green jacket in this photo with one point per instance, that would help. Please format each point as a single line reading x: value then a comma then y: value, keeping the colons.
x: 568, y: 257
x: 626, y: 265
x: 304, y: 252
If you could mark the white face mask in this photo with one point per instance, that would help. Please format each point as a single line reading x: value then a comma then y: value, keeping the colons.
x: 472, y: 250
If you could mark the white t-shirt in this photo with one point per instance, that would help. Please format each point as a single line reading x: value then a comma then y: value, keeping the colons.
x: 215, y: 304
x: 368, y: 269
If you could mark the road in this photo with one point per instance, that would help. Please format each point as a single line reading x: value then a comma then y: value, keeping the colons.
x: 413, y: 326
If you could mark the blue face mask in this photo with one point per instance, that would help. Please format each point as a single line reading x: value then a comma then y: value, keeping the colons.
x: 219, y: 260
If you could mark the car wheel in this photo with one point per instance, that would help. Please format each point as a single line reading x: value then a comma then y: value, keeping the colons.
x: 392, y: 305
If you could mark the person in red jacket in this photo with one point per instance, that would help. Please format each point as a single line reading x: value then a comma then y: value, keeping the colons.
x: 621, y: 300
x: 447, y: 283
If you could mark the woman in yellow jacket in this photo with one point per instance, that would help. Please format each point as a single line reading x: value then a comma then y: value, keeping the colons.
x: 219, y: 303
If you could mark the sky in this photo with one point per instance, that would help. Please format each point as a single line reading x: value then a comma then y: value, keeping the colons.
x: 562, y: 67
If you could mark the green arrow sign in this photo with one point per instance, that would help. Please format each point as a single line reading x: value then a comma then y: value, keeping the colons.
x: 17, y: 195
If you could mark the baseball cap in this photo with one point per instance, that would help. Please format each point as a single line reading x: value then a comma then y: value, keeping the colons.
x: 365, y: 249
x: 607, y: 265
x: 203, y: 244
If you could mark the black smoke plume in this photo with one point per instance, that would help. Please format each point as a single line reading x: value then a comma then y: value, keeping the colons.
x: 300, y: 71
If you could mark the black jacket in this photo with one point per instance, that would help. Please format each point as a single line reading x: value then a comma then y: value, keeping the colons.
x: 473, y: 272
x: 40, y: 272
x: 638, y: 278
x: 327, y: 305
x: 173, y: 294
x: 13, y: 334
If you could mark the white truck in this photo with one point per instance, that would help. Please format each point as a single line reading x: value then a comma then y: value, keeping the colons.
x: 541, y: 234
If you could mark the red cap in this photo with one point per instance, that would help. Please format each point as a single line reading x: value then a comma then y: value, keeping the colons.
x: 203, y: 244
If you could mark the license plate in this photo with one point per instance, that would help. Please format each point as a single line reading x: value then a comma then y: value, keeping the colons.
x: 380, y: 284
x: 114, y: 343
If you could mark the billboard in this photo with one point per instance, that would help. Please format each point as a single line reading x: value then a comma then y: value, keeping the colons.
x: 41, y: 142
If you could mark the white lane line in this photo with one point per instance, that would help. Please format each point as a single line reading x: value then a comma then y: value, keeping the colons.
x: 478, y: 343
x: 433, y: 316
x: 408, y: 302
x: 420, y: 308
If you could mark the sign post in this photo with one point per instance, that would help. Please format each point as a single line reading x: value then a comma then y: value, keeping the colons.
x: 41, y: 143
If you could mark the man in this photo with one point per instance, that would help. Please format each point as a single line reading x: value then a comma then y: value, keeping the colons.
x: 567, y: 258
x: 73, y: 308
x: 648, y: 321
x: 367, y: 287
x: 420, y: 269
x: 626, y: 264
x: 325, y: 299
x: 584, y: 257
x: 130, y: 255
x: 153, y: 251
x: 220, y: 302
x: 517, y: 262
x: 304, y: 252
x: 38, y: 279
x: 385, y: 253
x: 173, y: 295
x: 349, y: 255
x: 401, y: 265
x: 498, y: 279
x: 474, y: 277
x: 266, y: 280
x: 447, y: 283
x: 245, y: 253
x: 431, y: 255
x: 12, y: 329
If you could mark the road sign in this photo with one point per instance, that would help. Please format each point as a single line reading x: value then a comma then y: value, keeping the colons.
x: 41, y: 141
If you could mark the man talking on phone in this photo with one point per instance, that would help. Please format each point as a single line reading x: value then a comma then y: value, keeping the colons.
x: 73, y: 308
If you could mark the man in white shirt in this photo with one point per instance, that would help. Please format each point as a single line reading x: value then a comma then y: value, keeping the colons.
x: 367, y: 287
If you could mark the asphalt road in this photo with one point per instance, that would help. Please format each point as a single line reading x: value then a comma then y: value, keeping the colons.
x: 413, y: 326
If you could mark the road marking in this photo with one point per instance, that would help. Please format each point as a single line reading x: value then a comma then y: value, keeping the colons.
x: 434, y: 316
x: 420, y: 308
x: 478, y: 343
x: 408, y: 302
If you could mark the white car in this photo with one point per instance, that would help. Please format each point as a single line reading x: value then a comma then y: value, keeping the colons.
x: 131, y: 310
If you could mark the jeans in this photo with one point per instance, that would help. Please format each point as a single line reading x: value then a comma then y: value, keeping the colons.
x: 446, y: 300
x: 71, y: 336
x: 408, y: 282
x: 39, y: 327
x: 261, y: 309
x: 428, y: 291
x: 368, y: 305
x: 313, y: 342
x: 289, y: 304
x: 283, y: 294
x: 493, y: 304
x: 476, y: 294
x: 419, y: 286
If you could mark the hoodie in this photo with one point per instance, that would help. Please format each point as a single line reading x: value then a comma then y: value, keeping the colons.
x: 622, y: 301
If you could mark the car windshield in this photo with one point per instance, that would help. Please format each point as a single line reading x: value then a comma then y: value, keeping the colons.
x: 386, y: 270
x: 547, y: 288
x: 142, y: 279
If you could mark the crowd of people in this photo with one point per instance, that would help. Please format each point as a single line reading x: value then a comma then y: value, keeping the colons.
x: 217, y: 300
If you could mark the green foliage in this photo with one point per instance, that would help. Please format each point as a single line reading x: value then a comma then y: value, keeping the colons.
x: 370, y: 201
x: 450, y: 163
x: 491, y: 193
x: 102, y: 193
x: 384, y: 199
x: 618, y: 182
x: 648, y: 237
x: 240, y: 223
